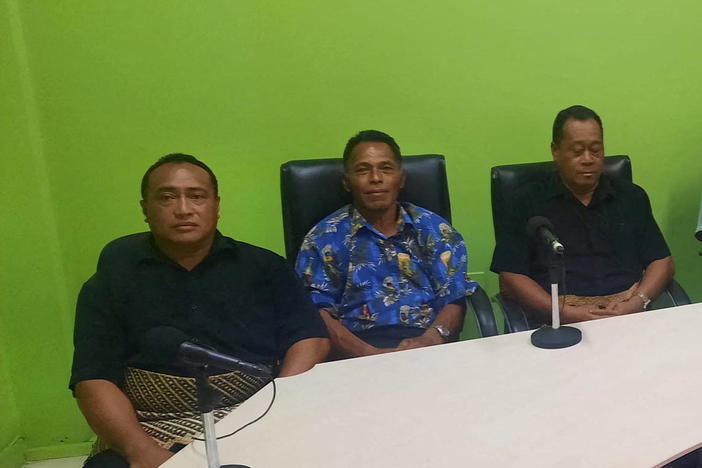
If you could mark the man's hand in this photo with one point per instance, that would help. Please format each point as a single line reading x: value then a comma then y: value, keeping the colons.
x: 372, y: 350
x: 630, y: 306
x: 111, y: 415
x: 429, y: 338
x: 152, y: 457
x: 581, y: 313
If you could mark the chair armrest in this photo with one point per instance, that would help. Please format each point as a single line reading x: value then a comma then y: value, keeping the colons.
x: 677, y: 293
x: 515, y: 318
x: 480, y: 303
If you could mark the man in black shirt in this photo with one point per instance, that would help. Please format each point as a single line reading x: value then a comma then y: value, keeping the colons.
x: 239, y: 299
x: 616, y: 257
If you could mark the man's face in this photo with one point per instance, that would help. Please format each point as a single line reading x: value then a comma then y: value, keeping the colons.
x: 580, y: 154
x: 181, y: 206
x: 373, y: 177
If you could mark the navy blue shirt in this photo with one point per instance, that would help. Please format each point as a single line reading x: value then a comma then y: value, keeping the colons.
x: 242, y: 300
x: 608, y: 242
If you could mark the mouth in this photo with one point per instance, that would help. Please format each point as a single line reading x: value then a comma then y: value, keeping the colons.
x: 376, y: 192
x: 184, y: 225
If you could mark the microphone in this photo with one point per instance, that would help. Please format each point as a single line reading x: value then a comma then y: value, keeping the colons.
x: 171, y: 344
x: 541, y: 227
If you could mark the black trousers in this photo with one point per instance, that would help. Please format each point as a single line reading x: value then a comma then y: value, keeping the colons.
x: 388, y: 336
x: 106, y: 459
x: 111, y: 459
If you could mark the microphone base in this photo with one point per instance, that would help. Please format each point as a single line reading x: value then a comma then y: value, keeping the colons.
x: 556, y: 338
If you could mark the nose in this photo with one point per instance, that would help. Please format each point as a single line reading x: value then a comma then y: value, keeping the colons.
x: 588, y: 158
x: 182, y: 206
x: 376, y: 176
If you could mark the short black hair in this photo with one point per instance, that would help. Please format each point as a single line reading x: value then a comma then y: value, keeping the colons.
x: 375, y: 136
x: 573, y: 112
x: 177, y: 158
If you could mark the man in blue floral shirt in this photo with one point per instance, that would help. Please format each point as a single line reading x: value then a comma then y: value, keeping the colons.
x: 385, y: 275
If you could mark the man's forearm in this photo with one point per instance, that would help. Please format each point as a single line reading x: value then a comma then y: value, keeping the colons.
x: 344, y: 343
x: 111, y: 415
x: 656, y: 277
x: 450, y: 317
x: 303, y: 356
x: 525, y: 291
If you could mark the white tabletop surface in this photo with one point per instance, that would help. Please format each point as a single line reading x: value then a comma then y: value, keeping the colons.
x: 629, y: 395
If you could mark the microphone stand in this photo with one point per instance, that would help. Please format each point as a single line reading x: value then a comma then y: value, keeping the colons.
x: 207, y: 399
x: 555, y: 336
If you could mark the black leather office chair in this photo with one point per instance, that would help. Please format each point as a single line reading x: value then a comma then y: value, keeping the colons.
x: 311, y: 190
x: 505, y: 180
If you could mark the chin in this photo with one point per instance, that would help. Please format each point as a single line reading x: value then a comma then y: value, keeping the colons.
x: 375, y: 207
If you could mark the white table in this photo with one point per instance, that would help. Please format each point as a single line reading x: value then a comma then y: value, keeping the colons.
x: 629, y: 395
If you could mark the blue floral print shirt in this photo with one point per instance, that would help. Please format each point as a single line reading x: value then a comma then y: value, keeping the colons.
x: 366, y: 279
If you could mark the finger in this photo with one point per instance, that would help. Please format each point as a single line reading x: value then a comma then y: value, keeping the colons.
x: 604, y: 312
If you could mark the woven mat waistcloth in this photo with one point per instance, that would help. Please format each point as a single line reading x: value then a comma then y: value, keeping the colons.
x: 600, y: 300
x: 166, y: 405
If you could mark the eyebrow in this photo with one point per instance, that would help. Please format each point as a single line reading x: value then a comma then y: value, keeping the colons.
x: 381, y: 163
x: 175, y: 189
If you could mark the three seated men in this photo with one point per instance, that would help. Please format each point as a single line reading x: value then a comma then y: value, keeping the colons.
x: 381, y: 274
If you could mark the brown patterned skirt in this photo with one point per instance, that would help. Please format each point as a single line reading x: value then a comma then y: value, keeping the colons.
x: 166, y: 405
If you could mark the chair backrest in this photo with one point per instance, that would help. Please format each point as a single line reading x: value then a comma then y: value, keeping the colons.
x: 311, y: 190
x: 508, y: 178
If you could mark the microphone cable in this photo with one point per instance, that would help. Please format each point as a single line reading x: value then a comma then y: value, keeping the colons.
x: 250, y: 422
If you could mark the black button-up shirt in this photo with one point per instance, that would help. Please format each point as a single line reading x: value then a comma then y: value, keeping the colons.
x: 242, y: 300
x: 608, y: 243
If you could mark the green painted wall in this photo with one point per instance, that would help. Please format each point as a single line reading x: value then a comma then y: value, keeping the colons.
x: 10, y: 429
x: 249, y: 85
x: 35, y: 312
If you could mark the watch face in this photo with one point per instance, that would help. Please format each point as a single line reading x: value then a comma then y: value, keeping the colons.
x: 442, y: 331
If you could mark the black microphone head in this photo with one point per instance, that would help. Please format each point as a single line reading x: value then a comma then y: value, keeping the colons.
x: 537, y: 222
x: 161, y: 344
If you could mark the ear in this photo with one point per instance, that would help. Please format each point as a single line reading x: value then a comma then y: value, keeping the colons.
x: 142, y: 203
x: 554, y: 150
x: 345, y: 183
x: 404, y: 178
x: 217, y: 205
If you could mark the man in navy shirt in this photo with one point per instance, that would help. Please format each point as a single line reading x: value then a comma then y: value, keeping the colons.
x: 239, y: 299
x: 616, y: 258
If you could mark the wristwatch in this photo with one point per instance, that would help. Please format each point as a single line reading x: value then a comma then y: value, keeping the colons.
x: 443, y: 331
x: 646, y: 300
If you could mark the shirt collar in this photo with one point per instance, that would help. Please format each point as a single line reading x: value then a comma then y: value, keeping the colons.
x: 358, y: 221
x: 557, y: 188
x: 149, y: 251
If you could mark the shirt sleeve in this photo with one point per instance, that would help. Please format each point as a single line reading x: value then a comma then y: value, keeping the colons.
x: 296, y: 316
x: 511, y: 252
x: 98, y: 337
x: 652, y: 245
x: 322, y: 278
x: 450, y: 268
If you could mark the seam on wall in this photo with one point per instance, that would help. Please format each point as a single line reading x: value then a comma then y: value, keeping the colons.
x: 12, y: 456
x: 36, y: 144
